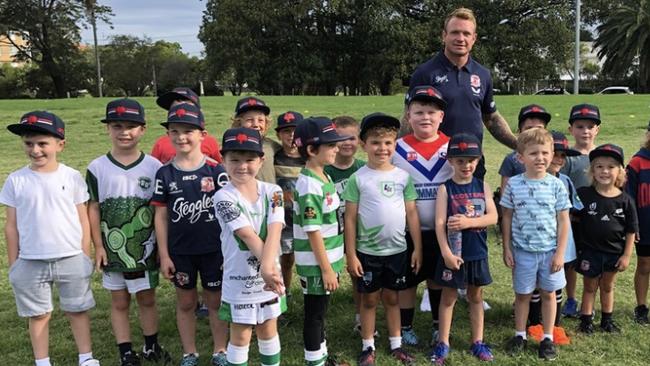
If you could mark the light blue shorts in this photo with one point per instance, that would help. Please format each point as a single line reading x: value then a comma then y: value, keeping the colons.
x: 533, y: 270
x: 32, y: 281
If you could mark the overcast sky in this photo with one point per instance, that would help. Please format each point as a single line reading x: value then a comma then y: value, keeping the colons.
x: 170, y: 20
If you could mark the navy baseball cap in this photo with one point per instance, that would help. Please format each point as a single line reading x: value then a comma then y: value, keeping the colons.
x: 464, y: 145
x: 124, y: 109
x: 185, y: 113
x: 39, y: 122
x: 251, y: 104
x: 584, y: 111
x: 242, y: 139
x: 560, y: 143
x: 288, y: 119
x: 611, y: 150
x: 377, y: 119
x: 426, y: 93
x: 316, y: 131
x: 166, y: 100
x: 534, y: 111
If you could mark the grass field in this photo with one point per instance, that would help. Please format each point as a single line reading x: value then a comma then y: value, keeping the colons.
x: 624, y: 122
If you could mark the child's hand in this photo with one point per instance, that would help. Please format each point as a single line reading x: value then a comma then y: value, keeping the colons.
x: 557, y: 262
x: 272, y: 280
x: 453, y: 262
x: 458, y: 222
x: 167, y: 268
x: 508, y: 259
x: 355, y: 268
x: 101, y: 259
x: 622, y: 263
x: 416, y: 261
x: 330, y: 280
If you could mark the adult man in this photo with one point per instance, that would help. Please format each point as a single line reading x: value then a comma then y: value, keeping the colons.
x: 466, y: 84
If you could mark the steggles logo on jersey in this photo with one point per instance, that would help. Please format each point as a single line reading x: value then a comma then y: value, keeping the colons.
x: 144, y: 183
x: 207, y: 184
x: 228, y: 211
x: 192, y: 210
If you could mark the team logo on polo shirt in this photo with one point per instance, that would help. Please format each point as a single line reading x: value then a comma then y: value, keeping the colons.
x: 439, y: 79
x: 475, y: 83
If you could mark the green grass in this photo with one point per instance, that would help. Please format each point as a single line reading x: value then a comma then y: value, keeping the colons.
x: 624, y: 121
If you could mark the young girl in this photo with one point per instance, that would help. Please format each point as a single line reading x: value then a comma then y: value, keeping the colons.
x: 608, y: 224
x: 251, y: 216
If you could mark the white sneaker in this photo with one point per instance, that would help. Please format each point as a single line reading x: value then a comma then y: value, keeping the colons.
x: 486, y: 306
x: 90, y: 362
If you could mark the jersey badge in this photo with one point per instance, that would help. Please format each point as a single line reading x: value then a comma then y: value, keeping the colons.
x: 411, y: 156
x: 144, y: 183
x: 207, y: 184
x: 228, y: 211
x: 447, y: 275
x: 310, y: 213
x: 475, y: 82
x: 173, y: 188
x: 388, y: 188
x: 592, y: 209
x: 182, y: 278
x: 328, y: 199
x: 276, y: 200
x: 439, y: 79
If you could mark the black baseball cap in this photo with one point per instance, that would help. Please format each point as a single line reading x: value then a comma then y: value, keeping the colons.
x: 316, y: 131
x: 611, y: 150
x: 288, y: 119
x: 181, y: 93
x: 39, y: 122
x: 185, y: 113
x: 251, y: 104
x: 124, y: 109
x: 242, y: 139
x: 560, y: 143
x: 584, y: 111
x: 377, y: 119
x: 426, y: 93
x: 464, y: 145
x: 534, y: 111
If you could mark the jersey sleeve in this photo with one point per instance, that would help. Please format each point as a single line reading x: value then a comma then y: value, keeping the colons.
x: 93, y: 187
x: 311, y: 204
x: 159, y: 197
x: 80, y: 188
x: 631, y: 217
x: 351, y: 192
x: 276, y: 203
x: 632, y: 172
x: 561, y: 196
x: 410, y: 194
x: 230, y: 213
x: 506, y: 197
x: 221, y: 176
x: 8, y: 193
x: 488, y: 106
x: 573, y: 195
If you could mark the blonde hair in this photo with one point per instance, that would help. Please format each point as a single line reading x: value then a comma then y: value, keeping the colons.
x: 535, y: 136
x: 345, y: 121
x: 380, y: 131
x: 238, y: 120
x: 461, y: 13
x: 621, y: 178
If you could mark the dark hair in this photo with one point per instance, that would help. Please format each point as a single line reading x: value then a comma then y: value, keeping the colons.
x: 302, y: 150
x: 345, y: 121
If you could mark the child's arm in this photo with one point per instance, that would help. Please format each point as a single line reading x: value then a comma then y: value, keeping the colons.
x: 270, y: 251
x: 254, y: 243
x: 350, y: 235
x: 506, y: 234
x: 451, y: 261
x: 11, y: 235
x: 330, y: 281
x: 94, y: 219
x: 624, y: 261
x: 413, y: 222
x: 504, y: 182
x: 631, y: 233
x: 161, y: 227
x: 563, y: 222
x: 462, y: 222
x: 82, y: 211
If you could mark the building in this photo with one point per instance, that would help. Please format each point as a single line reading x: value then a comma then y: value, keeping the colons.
x: 8, y: 50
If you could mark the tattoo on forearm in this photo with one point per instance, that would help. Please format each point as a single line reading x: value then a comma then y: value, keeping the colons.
x: 499, y: 129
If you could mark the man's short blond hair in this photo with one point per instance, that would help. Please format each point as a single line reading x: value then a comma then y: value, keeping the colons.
x: 461, y: 13
x: 535, y: 136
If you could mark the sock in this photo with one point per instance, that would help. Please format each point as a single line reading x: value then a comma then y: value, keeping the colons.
x: 314, y: 358
x: 605, y: 316
x: 357, y: 318
x: 585, y: 318
x: 196, y: 354
x: 535, y: 310
x: 549, y: 336
x: 365, y: 343
x: 406, y: 317
x: 558, y: 311
x: 85, y: 356
x: 43, y: 362
x: 269, y: 351
x: 125, y: 348
x: 395, y: 342
x: 150, y: 341
x: 521, y: 334
x: 237, y: 355
x: 434, y: 299
x: 323, y: 348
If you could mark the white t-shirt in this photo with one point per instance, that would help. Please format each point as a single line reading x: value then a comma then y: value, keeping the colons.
x: 46, y: 211
x: 242, y: 281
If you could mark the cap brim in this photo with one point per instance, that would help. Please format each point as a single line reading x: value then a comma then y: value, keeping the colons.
x: 286, y: 126
x: 260, y: 153
x: 20, y: 129
x: 546, y: 117
x: 166, y: 124
x: 464, y: 155
x: 429, y: 99
x: 571, y: 152
x: 165, y: 101
x: 336, y: 139
x: 605, y: 153
x: 123, y: 119
x: 266, y: 110
x: 585, y: 118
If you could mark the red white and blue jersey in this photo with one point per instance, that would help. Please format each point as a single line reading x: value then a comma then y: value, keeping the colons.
x: 426, y: 163
x: 187, y: 194
x: 638, y: 186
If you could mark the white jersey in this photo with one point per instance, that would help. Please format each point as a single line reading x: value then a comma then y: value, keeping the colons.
x: 427, y: 164
x: 242, y: 281
x: 46, y: 211
x: 381, y: 218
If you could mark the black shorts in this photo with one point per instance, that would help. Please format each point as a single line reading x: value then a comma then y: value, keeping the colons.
x: 592, y: 263
x: 642, y: 250
x: 379, y: 272
x: 471, y: 273
x: 209, y: 266
x: 430, y: 255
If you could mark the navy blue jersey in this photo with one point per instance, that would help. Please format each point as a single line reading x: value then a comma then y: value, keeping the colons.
x: 192, y: 225
x: 469, y: 200
x: 467, y: 90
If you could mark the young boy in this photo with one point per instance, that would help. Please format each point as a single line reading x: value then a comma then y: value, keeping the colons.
x: 584, y: 125
x: 187, y: 230
x: 423, y: 154
x: 464, y: 209
x: 535, y: 229
x: 318, y: 242
x: 48, y: 237
x: 288, y: 164
x: 380, y: 202
x: 251, y: 215
x: 121, y: 185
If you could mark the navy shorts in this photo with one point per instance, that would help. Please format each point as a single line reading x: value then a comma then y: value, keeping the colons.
x: 471, y: 273
x: 380, y: 272
x: 642, y: 250
x: 209, y: 266
x: 430, y: 255
x: 592, y: 263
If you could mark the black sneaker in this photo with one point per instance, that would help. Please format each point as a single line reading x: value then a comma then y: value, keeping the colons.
x: 547, y: 350
x: 608, y: 325
x: 157, y: 354
x: 641, y: 315
x: 516, y: 344
x: 367, y: 357
x: 130, y: 359
x: 586, y: 325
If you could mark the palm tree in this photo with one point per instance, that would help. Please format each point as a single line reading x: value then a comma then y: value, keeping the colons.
x: 625, y: 35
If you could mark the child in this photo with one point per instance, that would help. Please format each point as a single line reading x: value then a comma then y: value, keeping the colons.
x: 584, y: 125
x: 608, y: 225
x: 318, y: 242
x: 464, y: 209
x: 535, y: 228
x: 121, y: 185
x: 344, y: 165
x: 187, y: 230
x: 288, y: 164
x: 423, y: 154
x: 380, y: 202
x: 251, y: 112
x: 638, y: 187
x: 251, y: 215
x: 48, y: 237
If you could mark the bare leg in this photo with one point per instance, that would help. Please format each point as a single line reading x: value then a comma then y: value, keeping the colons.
x: 80, y: 325
x: 120, y: 301
x: 185, y: 318
x: 218, y: 328
x: 40, y: 335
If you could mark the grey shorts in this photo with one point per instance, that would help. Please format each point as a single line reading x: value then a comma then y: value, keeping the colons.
x: 32, y: 281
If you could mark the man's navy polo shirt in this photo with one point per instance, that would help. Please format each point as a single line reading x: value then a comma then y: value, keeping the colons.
x: 468, y: 92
